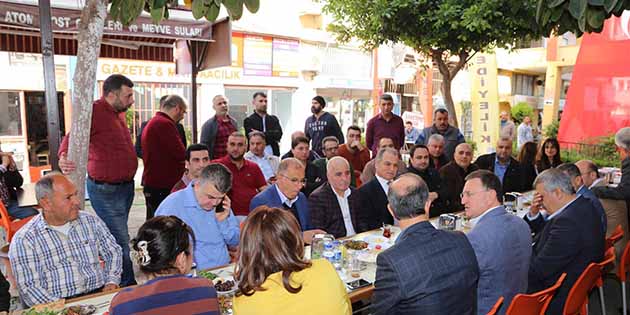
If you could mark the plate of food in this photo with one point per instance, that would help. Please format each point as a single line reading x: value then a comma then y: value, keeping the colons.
x: 207, y: 274
x: 376, y: 245
x: 356, y: 245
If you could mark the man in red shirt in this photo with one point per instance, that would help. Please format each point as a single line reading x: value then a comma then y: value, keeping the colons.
x: 247, y: 178
x: 353, y: 151
x: 112, y: 163
x: 163, y: 152
x: 215, y: 131
x: 385, y: 125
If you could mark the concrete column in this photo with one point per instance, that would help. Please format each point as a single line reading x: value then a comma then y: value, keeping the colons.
x: 553, y: 86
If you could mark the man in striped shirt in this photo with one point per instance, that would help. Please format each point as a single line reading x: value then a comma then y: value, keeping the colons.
x: 58, y: 253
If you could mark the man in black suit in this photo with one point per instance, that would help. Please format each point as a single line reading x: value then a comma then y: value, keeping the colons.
x: 263, y: 122
x: 504, y: 166
x: 335, y: 205
x: 571, y: 239
x: 427, y: 271
x: 419, y: 158
x: 374, y: 193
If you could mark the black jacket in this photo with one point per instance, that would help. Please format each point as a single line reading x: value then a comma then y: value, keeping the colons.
x: 513, y: 179
x: 374, y: 205
x: 13, y: 180
x: 273, y: 132
x: 453, y: 176
x: 432, y: 178
x: 326, y: 212
x: 622, y: 191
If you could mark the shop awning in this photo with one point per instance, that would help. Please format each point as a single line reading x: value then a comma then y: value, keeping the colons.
x: 143, y: 40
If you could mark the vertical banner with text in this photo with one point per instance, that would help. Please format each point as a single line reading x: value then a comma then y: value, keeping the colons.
x: 485, y: 102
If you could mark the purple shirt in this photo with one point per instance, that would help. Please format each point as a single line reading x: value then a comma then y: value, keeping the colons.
x: 378, y: 128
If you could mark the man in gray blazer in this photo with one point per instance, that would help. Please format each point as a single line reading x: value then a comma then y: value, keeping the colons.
x: 502, y: 242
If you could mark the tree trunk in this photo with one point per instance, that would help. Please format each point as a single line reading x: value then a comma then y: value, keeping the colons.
x: 448, y: 100
x: 449, y: 70
x: 89, y: 41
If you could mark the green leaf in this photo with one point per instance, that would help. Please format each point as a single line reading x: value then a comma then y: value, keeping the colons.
x: 596, y: 2
x: 539, y: 10
x: 582, y: 23
x: 555, y: 3
x: 157, y: 14
x: 158, y: 4
x: 556, y: 13
x: 577, y: 8
x: 213, y: 12
x: 234, y: 8
x: 252, y: 5
x: 595, y: 18
x: 198, y: 9
x: 609, y: 5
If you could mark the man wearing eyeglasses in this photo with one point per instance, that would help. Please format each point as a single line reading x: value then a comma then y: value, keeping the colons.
x: 286, y: 194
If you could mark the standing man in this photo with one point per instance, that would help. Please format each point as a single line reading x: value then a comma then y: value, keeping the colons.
x: 438, y: 193
x: 427, y: 271
x: 217, y: 129
x: 267, y: 162
x: 502, y: 242
x: 265, y: 123
x: 508, y: 129
x: 112, y: 163
x: 455, y: 172
x: 525, y: 132
x: 321, y: 125
x: 196, y: 159
x: 180, y: 130
x: 385, y: 125
x: 374, y: 193
x: 411, y: 133
x: 247, y: 179
x: 164, y: 154
x: 355, y: 152
x: 504, y: 166
x: 452, y: 135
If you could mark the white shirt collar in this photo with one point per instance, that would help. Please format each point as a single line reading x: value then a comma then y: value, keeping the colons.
x: 284, y: 198
x: 555, y: 214
x: 346, y: 193
x: 596, y: 182
x: 474, y: 221
x: 384, y: 183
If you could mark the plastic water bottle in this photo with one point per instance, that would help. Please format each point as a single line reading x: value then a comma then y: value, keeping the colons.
x: 329, y: 252
x: 337, y: 258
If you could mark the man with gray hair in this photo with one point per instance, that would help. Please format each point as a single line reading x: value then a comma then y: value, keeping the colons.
x: 452, y: 135
x: 56, y: 254
x: 436, y: 151
x: 622, y: 191
x: 374, y: 193
x: 571, y: 239
x: 205, y: 206
x: 403, y: 271
x: 216, y: 130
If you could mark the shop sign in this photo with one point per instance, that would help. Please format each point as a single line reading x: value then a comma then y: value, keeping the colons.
x: 485, y: 102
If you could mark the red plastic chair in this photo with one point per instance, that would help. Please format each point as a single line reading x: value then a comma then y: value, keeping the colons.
x: 11, y: 226
x: 496, y: 306
x: 536, y: 303
x: 622, y: 273
x: 616, y: 235
x: 609, y: 260
x: 591, y: 277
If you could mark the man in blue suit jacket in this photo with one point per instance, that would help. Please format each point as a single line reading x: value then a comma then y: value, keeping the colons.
x: 285, y: 194
x: 502, y: 242
x: 578, y: 184
x: 572, y: 237
x: 427, y: 271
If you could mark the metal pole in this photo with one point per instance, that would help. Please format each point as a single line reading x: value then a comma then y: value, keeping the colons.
x: 194, y: 63
x: 49, y: 82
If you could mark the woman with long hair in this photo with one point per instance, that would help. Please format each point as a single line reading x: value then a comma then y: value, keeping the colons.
x: 548, y: 155
x: 273, y: 275
x: 527, y: 160
x: 163, y: 249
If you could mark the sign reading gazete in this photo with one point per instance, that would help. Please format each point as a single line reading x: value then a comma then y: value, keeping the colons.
x: 67, y: 21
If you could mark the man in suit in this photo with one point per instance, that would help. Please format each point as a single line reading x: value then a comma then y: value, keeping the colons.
x: 419, y: 158
x: 590, y: 174
x: 504, y: 166
x: 374, y: 193
x: 265, y: 123
x: 370, y: 168
x: 571, y: 239
x: 455, y: 172
x: 285, y: 194
x: 436, y: 149
x: 581, y: 190
x: 622, y: 191
x: 502, y: 242
x: 335, y: 205
x: 427, y: 271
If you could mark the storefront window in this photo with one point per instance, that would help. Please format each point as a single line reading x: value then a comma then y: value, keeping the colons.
x: 10, y: 115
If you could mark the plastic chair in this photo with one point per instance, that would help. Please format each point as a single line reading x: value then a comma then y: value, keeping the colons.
x: 622, y: 273
x: 609, y: 260
x: 536, y: 303
x: 616, y: 235
x: 577, y: 300
x: 9, y: 224
x: 496, y: 306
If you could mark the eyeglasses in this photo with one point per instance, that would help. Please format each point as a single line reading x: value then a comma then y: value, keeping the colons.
x: 295, y: 180
x: 470, y: 194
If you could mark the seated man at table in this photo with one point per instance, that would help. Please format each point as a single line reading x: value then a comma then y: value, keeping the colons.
x: 374, y: 193
x: 590, y: 174
x: 419, y: 164
x: 622, y: 191
x: 197, y: 158
x: 436, y: 145
x: 285, y: 194
x: 427, y: 271
x: 502, y: 164
x: 312, y: 155
x: 571, y: 239
x: 267, y: 162
x: 335, y: 205
x: 370, y: 168
x: 206, y: 208
x: 454, y: 174
x: 502, y: 242
x: 581, y: 190
x: 58, y: 253
x: 10, y: 180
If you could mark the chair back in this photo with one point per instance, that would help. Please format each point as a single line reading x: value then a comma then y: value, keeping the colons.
x: 616, y: 235
x: 536, y: 303
x: 578, y: 296
x: 5, y: 221
x: 624, y: 264
x: 495, y: 308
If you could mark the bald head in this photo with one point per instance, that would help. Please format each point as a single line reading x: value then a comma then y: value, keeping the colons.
x: 289, y: 163
x: 297, y: 134
x: 588, y: 171
x: 408, y: 196
x: 338, y: 173
x: 463, y: 155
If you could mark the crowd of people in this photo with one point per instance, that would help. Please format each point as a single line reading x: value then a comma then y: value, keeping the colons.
x: 232, y: 198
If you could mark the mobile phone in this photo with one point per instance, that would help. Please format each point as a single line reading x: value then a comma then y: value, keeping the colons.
x: 219, y: 207
x: 359, y: 283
